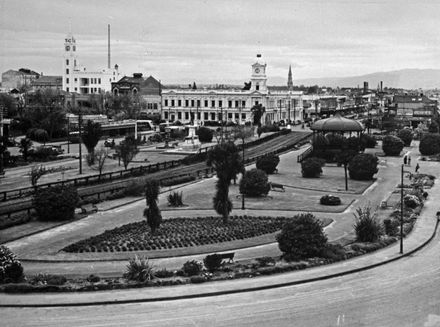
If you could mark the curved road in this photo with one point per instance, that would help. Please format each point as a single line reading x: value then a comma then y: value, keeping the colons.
x: 402, y: 293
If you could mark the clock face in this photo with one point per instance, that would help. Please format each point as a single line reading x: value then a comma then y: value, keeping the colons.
x: 257, y: 70
x: 67, y: 48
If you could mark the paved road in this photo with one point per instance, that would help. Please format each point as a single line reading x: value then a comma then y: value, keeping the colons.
x: 403, y: 293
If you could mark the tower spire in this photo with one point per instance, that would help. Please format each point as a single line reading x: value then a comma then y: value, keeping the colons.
x: 289, y: 79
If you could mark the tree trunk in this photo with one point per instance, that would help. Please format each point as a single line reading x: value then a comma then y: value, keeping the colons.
x: 346, y: 178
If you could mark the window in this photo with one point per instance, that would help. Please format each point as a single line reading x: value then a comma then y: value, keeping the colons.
x: 220, y: 103
x: 205, y: 116
x: 172, y: 103
x: 166, y: 115
x: 67, y: 62
x: 67, y: 70
x: 179, y: 103
x: 67, y: 80
x: 166, y: 102
x: 243, y: 116
x: 76, y: 80
x: 199, y: 115
x: 192, y: 103
x: 243, y: 103
x: 257, y: 87
x: 206, y: 103
x: 198, y: 103
x: 186, y: 103
x: 67, y: 89
x: 99, y: 81
x: 179, y: 115
x: 186, y: 115
x: 212, y: 116
x: 76, y: 89
x: 213, y: 103
x: 229, y: 115
x: 229, y: 104
x: 236, y: 103
x: 237, y: 116
x: 74, y: 61
x: 154, y: 105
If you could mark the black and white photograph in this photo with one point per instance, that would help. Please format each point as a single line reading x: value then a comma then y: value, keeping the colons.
x: 220, y: 163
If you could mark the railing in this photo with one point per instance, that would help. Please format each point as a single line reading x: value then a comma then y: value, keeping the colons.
x: 304, y: 155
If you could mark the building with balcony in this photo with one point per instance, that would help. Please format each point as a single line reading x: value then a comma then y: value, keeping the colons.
x: 234, y: 104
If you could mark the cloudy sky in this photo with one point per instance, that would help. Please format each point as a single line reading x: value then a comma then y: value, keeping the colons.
x: 211, y: 41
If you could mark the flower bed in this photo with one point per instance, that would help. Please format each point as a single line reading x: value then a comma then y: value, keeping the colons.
x: 178, y: 233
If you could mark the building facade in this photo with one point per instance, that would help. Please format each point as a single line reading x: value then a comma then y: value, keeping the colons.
x: 48, y: 82
x: 233, y: 104
x: 15, y: 79
x: 79, y: 80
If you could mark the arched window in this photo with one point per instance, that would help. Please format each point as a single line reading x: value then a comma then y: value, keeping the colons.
x: 135, y: 91
x: 115, y: 92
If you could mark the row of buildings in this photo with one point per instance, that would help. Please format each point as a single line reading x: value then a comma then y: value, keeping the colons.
x: 218, y: 103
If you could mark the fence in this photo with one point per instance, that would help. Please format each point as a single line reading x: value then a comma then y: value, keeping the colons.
x: 305, y: 154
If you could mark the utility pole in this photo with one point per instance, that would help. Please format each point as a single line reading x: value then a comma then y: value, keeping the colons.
x: 401, y: 210
x: 79, y: 132
x: 2, y: 143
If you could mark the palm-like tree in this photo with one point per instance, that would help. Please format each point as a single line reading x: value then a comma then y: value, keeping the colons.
x: 90, y: 138
x: 227, y: 163
x: 152, y: 212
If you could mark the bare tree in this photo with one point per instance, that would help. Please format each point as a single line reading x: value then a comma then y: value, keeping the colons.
x: 36, y: 173
x: 100, y: 156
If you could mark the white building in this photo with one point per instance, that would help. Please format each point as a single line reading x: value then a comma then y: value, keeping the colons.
x: 234, y: 105
x: 77, y: 79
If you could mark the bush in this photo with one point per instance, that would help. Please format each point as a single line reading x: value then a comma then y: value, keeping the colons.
x: 392, y: 145
x: 43, y: 153
x: 254, y: 183
x: 330, y: 200
x: 135, y: 188
x: 429, y: 144
x: 197, y: 279
x: 302, y: 237
x: 139, y: 269
x: 269, y: 128
x: 38, y: 134
x: 265, y: 261
x: 312, y: 167
x: 177, y: 180
x: 390, y: 226
x: 47, y: 279
x: 10, y: 268
x: 268, y: 163
x: 191, y: 268
x: 411, y: 201
x: 93, y: 278
x: 56, y: 203
x: 205, y: 134
x: 213, y: 262
x: 367, y: 227
x: 368, y: 141
x: 406, y: 135
x: 163, y: 273
x: 175, y: 199
x: 363, y: 166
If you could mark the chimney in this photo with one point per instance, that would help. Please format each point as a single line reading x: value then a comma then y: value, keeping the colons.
x: 108, y: 44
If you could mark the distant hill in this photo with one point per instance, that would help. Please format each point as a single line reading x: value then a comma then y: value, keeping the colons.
x: 405, y: 78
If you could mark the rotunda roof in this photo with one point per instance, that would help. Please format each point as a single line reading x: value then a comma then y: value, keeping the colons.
x: 337, y: 123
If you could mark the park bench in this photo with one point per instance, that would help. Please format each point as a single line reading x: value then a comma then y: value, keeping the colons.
x: 89, y: 208
x: 229, y: 256
x: 277, y: 187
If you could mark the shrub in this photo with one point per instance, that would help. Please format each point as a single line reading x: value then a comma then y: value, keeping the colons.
x: 406, y: 135
x: 175, y: 199
x: 43, y: 153
x: 411, y: 201
x: 93, y: 278
x: 390, y: 226
x: 363, y: 166
x: 268, y: 163
x: 191, y: 268
x: 302, y: 237
x: 38, y: 134
x: 368, y: 141
x: 265, y: 261
x: 213, y: 262
x: 312, y: 167
x: 254, y: 183
x: 47, y: 279
x: 10, y: 268
x: 163, y: 273
x: 177, y: 180
x: 197, y: 279
x: 139, y: 269
x: 330, y: 200
x: 392, y: 145
x: 205, y: 134
x: 135, y: 188
x: 429, y: 144
x: 367, y: 227
x: 56, y: 203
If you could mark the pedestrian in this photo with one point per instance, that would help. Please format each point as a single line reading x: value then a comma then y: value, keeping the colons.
x: 409, y: 160
x: 417, y: 167
x: 405, y: 159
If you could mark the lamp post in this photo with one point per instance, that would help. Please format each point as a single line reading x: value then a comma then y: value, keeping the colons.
x: 68, y: 134
x: 401, y: 207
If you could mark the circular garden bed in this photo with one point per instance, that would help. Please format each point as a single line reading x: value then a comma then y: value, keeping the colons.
x: 178, y: 233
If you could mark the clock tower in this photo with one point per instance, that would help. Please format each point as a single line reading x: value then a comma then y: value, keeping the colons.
x: 258, y: 78
x: 69, y: 62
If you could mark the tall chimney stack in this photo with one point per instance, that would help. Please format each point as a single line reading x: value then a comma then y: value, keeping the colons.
x: 108, y: 44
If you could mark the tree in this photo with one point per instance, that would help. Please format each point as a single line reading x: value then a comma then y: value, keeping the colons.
x: 100, y: 157
x: 152, y: 212
x: 268, y: 163
x: 127, y: 150
x: 433, y: 127
x: 56, y: 203
x: 429, y: 144
x: 312, y: 167
x: 227, y: 163
x: 25, y: 145
x: 205, y: 134
x: 36, y: 173
x: 90, y: 137
x: 302, y: 237
x: 348, y: 151
x: 392, y: 145
x: 406, y: 135
x: 254, y: 183
x: 363, y: 166
x: 257, y: 113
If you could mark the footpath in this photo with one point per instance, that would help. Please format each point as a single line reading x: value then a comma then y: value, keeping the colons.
x: 424, y: 231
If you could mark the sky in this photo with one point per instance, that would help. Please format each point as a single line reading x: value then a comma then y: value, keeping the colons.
x: 216, y: 41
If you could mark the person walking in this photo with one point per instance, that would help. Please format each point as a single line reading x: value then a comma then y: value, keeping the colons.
x: 417, y: 167
x: 405, y: 159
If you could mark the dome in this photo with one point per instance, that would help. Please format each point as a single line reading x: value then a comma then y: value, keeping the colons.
x: 337, y: 124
